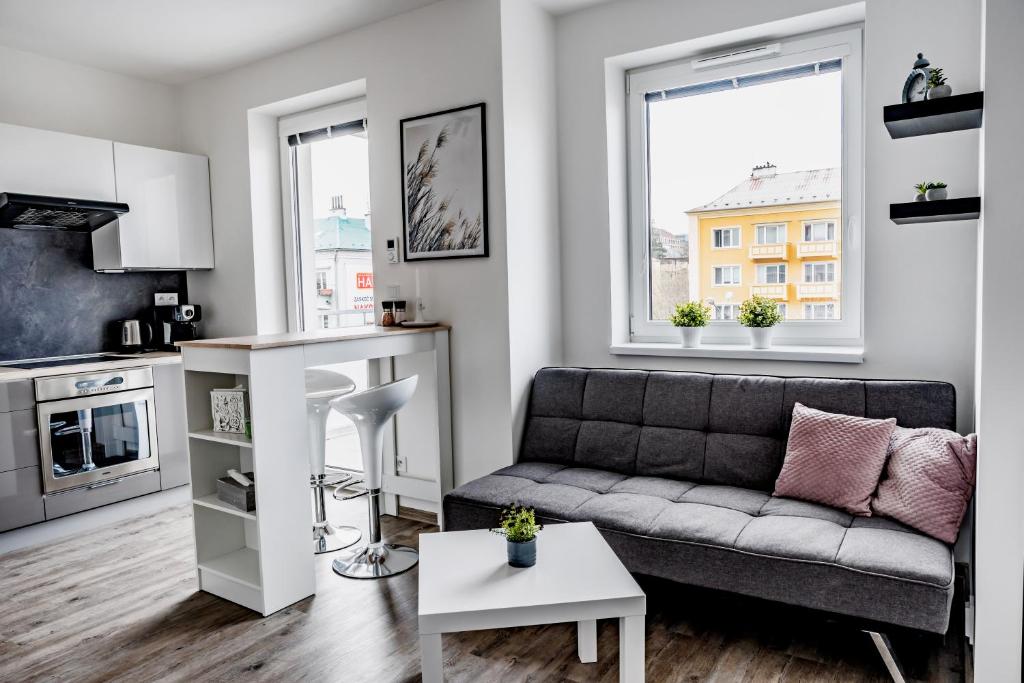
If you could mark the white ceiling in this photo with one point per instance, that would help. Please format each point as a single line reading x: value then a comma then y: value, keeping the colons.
x: 175, y: 41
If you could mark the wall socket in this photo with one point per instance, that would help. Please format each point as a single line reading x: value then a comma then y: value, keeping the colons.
x: 401, y: 464
x: 165, y: 298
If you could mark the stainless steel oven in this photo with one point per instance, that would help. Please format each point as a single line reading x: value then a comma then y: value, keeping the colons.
x: 96, y: 428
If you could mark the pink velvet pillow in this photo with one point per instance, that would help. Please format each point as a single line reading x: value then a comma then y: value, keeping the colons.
x: 928, y: 481
x: 834, y: 459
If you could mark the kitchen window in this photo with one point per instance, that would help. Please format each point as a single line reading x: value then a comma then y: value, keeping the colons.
x: 771, y: 234
x: 726, y: 238
x: 819, y: 231
x: 694, y: 127
x: 820, y: 272
x: 771, y: 274
x: 727, y: 275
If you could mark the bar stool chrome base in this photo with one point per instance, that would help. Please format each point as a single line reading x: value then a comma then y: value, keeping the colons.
x: 376, y: 561
x: 329, y: 538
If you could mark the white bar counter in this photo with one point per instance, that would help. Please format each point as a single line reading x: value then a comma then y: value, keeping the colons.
x: 263, y: 559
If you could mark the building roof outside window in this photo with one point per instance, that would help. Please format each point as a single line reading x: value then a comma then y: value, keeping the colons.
x: 766, y: 187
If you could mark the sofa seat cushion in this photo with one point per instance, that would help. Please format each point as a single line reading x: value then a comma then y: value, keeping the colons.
x: 804, y: 553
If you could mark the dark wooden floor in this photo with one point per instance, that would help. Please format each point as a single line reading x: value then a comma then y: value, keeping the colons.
x: 122, y: 605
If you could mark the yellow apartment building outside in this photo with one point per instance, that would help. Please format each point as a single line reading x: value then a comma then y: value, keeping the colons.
x: 774, y: 234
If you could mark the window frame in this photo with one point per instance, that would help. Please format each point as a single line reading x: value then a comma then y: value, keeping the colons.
x: 732, y: 229
x: 765, y: 266
x: 295, y: 161
x: 739, y: 275
x: 812, y: 304
x: 811, y: 264
x: 758, y: 227
x: 844, y: 43
x: 716, y: 307
x: 809, y: 224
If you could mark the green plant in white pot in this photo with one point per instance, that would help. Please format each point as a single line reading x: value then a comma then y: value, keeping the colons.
x: 936, y: 191
x: 760, y: 315
x: 691, y: 318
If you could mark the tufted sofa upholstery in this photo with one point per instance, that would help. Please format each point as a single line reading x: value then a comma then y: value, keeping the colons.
x: 677, y: 469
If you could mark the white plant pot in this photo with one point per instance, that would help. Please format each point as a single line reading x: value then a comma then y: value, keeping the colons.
x: 936, y: 193
x: 761, y: 337
x: 938, y: 91
x: 691, y: 336
x: 920, y: 197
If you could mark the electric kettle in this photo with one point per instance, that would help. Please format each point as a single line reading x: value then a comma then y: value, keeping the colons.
x: 134, y: 335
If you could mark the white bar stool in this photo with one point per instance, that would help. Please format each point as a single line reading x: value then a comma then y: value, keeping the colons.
x: 370, y: 410
x: 321, y: 387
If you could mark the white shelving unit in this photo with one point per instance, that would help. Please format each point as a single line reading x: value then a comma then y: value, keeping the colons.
x: 237, y: 549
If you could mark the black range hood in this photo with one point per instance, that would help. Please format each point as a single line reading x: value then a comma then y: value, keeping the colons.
x: 37, y: 212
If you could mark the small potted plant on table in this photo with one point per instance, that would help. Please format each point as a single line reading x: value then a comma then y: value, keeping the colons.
x: 760, y: 314
x: 518, y: 524
x: 691, y: 318
x: 936, y: 190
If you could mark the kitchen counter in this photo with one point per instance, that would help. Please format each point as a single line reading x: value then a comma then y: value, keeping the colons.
x: 115, y: 363
x: 272, y: 341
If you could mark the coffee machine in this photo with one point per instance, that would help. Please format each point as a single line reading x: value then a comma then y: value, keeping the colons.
x: 176, y: 323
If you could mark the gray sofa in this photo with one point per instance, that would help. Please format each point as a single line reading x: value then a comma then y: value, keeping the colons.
x: 677, y: 469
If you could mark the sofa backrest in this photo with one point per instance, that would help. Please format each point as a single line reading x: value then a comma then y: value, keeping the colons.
x: 721, y: 429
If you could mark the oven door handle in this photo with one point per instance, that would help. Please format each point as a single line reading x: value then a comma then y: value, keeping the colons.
x: 101, y: 484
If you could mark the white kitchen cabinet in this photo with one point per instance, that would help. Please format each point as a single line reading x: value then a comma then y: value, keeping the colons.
x: 44, y: 162
x: 168, y: 225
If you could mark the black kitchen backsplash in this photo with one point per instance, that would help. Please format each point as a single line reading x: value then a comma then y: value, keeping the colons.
x: 52, y: 303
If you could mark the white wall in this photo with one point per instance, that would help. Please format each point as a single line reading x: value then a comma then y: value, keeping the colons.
x: 55, y: 95
x: 920, y: 280
x: 999, y: 566
x: 441, y: 56
x: 531, y: 197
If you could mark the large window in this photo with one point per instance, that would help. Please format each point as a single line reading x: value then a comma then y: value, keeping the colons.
x: 727, y: 275
x: 774, y: 233
x: 771, y: 273
x: 724, y: 154
x: 726, y: 238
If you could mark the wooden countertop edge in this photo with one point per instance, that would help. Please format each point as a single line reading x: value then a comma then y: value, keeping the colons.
x: 272, y: 341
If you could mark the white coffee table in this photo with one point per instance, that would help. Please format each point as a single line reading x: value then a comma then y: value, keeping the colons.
x: 466, y: 584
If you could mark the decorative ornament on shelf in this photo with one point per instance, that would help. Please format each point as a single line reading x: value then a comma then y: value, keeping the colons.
x: 935, y: 191
x: 230, y: 411
x: 915, y: 88
x: 760, y: 314
x: 937, y: 86
x: 691, y: 318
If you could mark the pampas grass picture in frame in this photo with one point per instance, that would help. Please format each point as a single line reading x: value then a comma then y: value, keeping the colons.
x: 444, y: 184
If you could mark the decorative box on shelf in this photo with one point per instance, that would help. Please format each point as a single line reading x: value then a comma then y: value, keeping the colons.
x: 230, y: 410
x: 235, y: 494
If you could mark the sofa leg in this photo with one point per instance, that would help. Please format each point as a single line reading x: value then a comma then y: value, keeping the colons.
x: 881, y: 642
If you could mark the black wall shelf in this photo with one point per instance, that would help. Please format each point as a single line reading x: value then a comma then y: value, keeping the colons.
x: 959, y: 209
x: 946, y: 114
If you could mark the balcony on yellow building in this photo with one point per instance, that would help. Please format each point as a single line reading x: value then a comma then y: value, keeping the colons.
x: 817, y: 290
x: 769, y: 252
x: 773, y: 291
x: 823, y: 249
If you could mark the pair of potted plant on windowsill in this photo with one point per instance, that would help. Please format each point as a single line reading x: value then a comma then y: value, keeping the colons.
x: 758, y: 314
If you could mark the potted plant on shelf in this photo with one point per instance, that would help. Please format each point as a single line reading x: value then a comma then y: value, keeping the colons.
x: 936, y: 190
x: 691, y: 318
x: 937, y: 86
x: 921, y: 188
x: 518, y: 524
x: 760, y: 314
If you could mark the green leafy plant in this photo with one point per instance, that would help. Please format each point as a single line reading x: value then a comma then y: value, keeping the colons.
x: 935, y: 185
x: 518, y: 524
x: 936, y: 78
x: 921, y: 187
x: 691, y: 314
x: 759, y: 311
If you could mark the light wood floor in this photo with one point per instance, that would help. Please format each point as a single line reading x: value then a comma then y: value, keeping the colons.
x: 122, y: 605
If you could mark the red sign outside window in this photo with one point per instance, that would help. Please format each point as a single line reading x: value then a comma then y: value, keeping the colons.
x: 364, y: 280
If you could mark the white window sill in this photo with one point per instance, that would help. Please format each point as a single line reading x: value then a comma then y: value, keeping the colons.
x: 805, y: 354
